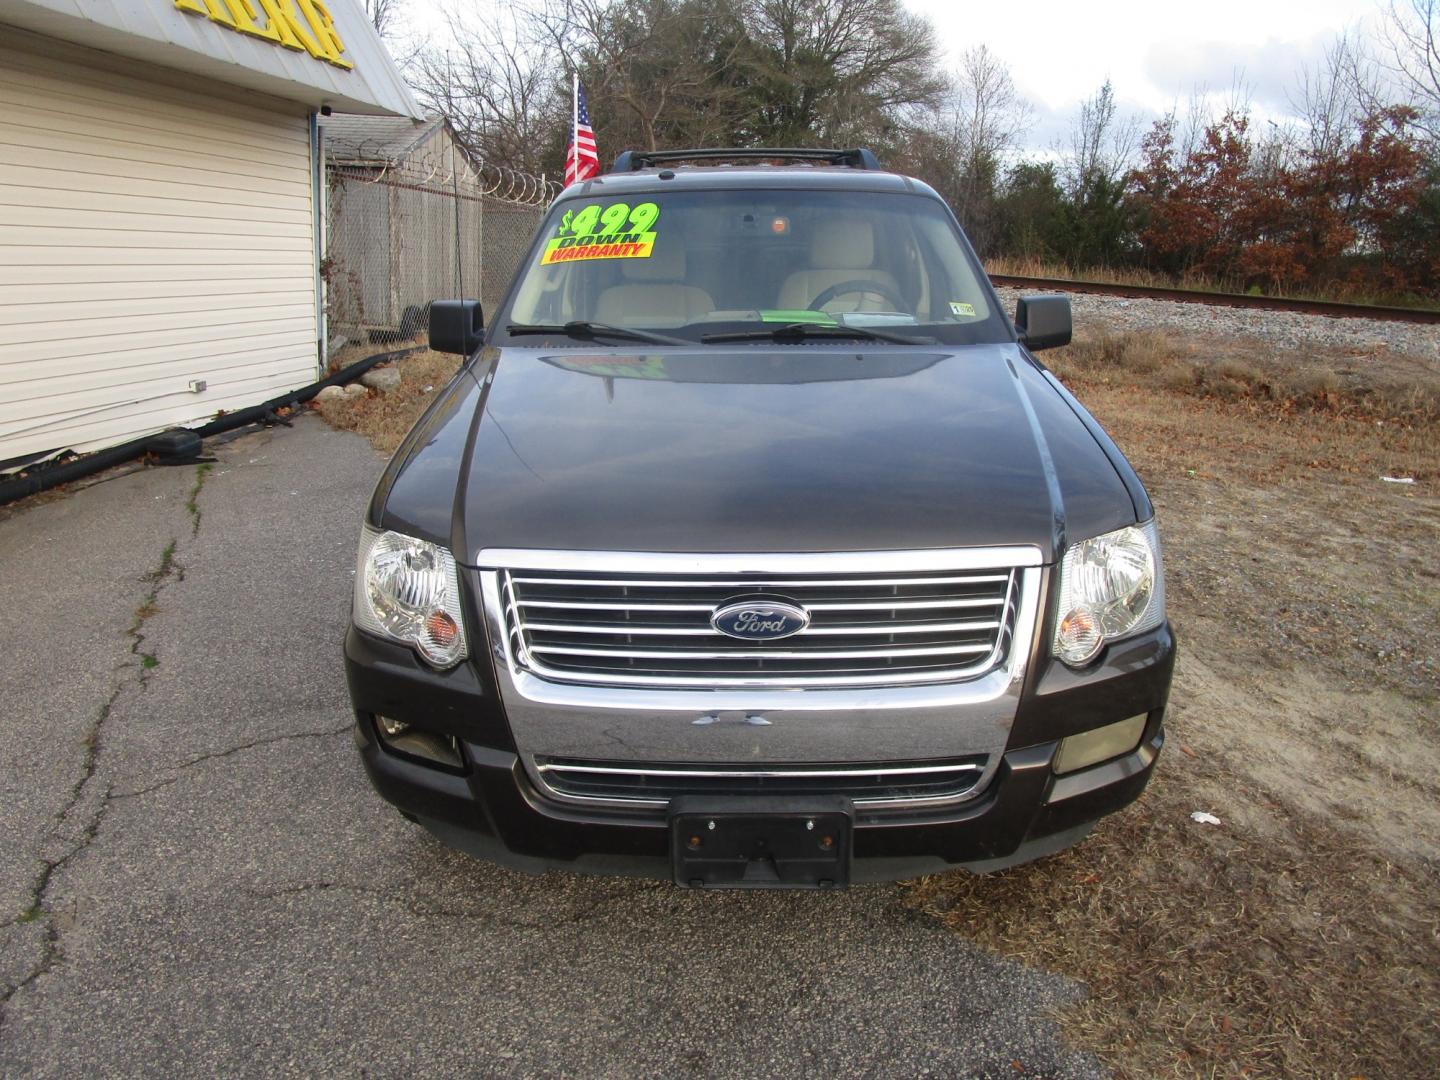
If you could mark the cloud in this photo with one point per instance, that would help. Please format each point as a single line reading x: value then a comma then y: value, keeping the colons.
x: 1265, y: 75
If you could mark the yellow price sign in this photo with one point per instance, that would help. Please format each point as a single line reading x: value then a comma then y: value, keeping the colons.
x: 597, y: 231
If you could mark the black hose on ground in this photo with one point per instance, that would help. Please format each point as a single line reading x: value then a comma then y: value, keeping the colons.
x: 64, y: 472
x: 44, y: 478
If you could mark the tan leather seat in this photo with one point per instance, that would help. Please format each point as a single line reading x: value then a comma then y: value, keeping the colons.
x: 655, y: 294
x: 839, y: 252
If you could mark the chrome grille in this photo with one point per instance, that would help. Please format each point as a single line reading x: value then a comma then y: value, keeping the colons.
x: 655, y: 784
x: 866, y: 628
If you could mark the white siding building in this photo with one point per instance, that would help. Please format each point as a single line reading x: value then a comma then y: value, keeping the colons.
x: 160, y: 207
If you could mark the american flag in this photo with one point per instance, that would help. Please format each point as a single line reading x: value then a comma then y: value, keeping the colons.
x: 581, y: 159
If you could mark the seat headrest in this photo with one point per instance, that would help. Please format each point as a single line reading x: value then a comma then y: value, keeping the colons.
x: 842, y: 246
x: 666, y: 263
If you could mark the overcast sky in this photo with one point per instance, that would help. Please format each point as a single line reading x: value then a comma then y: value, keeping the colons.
x: 1153, y: 52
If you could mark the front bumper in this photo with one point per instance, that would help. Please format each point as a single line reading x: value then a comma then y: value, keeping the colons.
x: 491, y: 807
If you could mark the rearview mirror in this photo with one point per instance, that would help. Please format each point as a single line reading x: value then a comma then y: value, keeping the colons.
x: 456, y: 326
x: 1043, y: 321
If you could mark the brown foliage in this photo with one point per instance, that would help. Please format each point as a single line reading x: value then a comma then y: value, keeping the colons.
x: 1275, y: 218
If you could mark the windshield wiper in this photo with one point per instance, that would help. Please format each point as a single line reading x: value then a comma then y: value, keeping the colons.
x: 588, y: 330
x: 801, y: 331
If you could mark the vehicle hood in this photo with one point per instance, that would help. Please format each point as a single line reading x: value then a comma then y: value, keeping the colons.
x: 777, y: 448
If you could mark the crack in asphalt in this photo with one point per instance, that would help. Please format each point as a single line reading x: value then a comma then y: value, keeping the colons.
x: 133, y: 672
x: 192, y: 504
x: 119, y: 796
x: 267, y: 740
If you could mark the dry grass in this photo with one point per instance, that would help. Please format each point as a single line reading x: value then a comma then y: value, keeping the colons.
x: 1143, y: 353
x: 1006, y: 266
x: 1233, y: 374
x: 385, y: 419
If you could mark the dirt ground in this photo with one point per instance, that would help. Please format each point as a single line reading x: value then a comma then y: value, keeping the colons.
x: 1301, y: 935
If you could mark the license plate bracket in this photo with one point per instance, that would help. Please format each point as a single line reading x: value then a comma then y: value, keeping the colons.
x: 761, y: 843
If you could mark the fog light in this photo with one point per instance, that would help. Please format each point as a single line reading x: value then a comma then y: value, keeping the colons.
x: 1101, y: 744
x: 392, y: 727
x: 403, y: 739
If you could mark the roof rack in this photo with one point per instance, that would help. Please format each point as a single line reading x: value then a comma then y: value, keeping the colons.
x: 635, y: 160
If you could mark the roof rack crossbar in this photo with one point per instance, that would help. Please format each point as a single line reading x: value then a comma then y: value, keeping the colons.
x: 856, y: 158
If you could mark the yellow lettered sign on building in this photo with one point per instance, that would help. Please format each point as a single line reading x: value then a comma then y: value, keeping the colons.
x: 302, y: 25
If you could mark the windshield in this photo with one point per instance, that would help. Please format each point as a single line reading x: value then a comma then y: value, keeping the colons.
x: 699, y: 264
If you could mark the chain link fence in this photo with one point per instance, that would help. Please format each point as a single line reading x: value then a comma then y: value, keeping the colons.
x: 400, y: 236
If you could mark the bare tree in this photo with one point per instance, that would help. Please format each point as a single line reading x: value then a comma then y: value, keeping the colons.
x: 1333, y: 97
x: 383, y: 15
x: 1198, y: 116
x: 1103, y: 144
x: 976, y: 132
x: 499, y: 84
x: 1413, y: 41
x: 1103, y: 147
x: 988, y: 116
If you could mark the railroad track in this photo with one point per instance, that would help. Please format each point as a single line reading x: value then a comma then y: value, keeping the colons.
x: 1236, y: 300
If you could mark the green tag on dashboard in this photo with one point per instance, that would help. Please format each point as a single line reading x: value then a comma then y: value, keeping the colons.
x: 800, y: 315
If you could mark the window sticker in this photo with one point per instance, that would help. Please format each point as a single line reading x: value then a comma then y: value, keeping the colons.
x: 957, y: 308
x: 600, y: 231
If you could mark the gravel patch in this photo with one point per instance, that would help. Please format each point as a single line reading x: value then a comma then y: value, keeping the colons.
x: 1287, y: 329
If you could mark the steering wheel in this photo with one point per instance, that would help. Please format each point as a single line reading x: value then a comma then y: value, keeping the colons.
x: 858, y: 285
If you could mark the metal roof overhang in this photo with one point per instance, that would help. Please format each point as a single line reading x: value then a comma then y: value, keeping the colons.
x: 156, y: 32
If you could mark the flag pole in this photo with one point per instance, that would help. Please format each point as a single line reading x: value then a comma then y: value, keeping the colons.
x: 575, y: 119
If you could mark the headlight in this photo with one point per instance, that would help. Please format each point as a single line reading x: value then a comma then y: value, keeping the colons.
x: 1110, y: 586
x: 407, y: 590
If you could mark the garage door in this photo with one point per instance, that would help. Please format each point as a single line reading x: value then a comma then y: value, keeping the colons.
x: 152, y: 238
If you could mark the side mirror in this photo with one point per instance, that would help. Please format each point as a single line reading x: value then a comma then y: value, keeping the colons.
x: 456, y: 326
x: 1043, y: 321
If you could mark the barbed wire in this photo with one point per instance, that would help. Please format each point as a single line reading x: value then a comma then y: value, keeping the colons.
x: 372, y: 161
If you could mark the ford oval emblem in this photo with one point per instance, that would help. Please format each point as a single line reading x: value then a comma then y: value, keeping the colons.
x: 759, y: 619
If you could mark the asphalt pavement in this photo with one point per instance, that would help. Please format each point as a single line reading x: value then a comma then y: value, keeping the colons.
x: 196, y: 879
